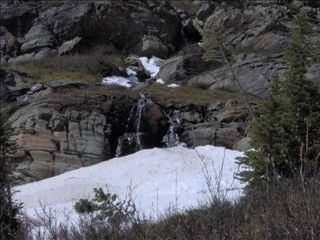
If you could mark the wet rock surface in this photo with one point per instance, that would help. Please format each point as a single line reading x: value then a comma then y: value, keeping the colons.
x: 56, y: 133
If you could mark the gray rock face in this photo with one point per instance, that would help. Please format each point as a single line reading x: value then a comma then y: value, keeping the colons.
x: 205, y: 10
x: 254, y: 73
x: 272, y: 38
x: 152, y: 46
x: 65, y: 83
x: 181, y: 68
x: 222, y: 124
x: 57, y: 135
x: 58, y: 141
x: 12, y: 85
x: 8, y: 44
x: 3, y: 90
x: 212, y: 133
x: 143, y: 27
x: 68, y: 46
x: 314, y: 72
x: 37, y: 37
x: 243, y: 145
x: 258, y: 37
x: 17, y: 17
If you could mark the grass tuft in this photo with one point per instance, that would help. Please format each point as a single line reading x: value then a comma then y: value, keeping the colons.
x: 74, y: 67
x: 189, y: 94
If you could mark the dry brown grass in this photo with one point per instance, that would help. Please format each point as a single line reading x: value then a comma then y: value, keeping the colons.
x: 278, y: 211
x: 191, y: 8
x: 74, y: 67
x: 189, y: 94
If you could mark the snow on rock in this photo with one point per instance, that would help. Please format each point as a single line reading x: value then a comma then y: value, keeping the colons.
x: 130, y: 72
x: 158, y: 178
x: 173, y: 85
x: 117, y: 80
x: 160, y: 81
x: 152, y: 65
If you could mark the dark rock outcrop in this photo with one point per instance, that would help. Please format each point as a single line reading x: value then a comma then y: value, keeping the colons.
x: 257, y: 36
x: 182, y: 67
x: 135, y: 26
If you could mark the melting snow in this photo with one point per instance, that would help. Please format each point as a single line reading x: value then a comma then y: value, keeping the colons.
x: 152, y: 65
x: 116, y: 80
x: 160, y: 81
x: 173, y: 85
x: 159, y: 178
x: 130, y: 72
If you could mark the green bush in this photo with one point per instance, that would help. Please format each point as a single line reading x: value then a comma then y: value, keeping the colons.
x: 108, y: 207
x: 84, y: 206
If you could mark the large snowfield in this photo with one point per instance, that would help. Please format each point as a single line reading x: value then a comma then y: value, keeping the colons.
x: 156, y: 179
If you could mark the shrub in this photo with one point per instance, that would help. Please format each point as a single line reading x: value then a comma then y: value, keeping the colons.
x: 107, y: 206
x: 282, y: 210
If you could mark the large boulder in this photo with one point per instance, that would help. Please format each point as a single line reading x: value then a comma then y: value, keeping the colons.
x: 226, y: 135
x: 37, y: 37
x: 18, y: 16
x: 142, y: 27
x: 9, y: 44
x: 253, y: 72
x: 152, y: 46
x: 181, y: 68
x: 272, y: 38
x: 13, y: 85
x: 66, y: 83
x: 69, y: 46
x: 124, y: 25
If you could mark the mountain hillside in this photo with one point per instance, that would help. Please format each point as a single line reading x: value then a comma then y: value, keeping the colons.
x: 85, y: 81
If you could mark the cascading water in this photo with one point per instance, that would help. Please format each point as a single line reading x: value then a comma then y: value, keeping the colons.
x: 140, y: 107
x: 171, y: 139
x: 132, y: 139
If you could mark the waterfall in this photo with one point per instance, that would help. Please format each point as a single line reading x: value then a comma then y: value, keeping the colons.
x: 171, y: 139
x: 132, y: 140
x: 140, y: 107
x: 132, y: 137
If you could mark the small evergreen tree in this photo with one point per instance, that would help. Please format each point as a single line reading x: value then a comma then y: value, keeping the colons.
x: 8, y: 210
x: 108, y: 207
x: 286, y: 136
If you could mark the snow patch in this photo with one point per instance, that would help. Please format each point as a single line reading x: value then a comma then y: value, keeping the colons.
x: 160, y: 81
x: 130, y: 72
x: 118, y: 81
x: 159, y: 178
x: 173, y: 85
x: 152, y: 65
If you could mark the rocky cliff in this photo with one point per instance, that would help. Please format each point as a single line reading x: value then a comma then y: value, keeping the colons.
x: 54, y: 55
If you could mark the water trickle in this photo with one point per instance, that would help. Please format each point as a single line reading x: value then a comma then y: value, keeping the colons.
x: 140, y: 108
x: 132, y: 137
x: 171, y: 139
